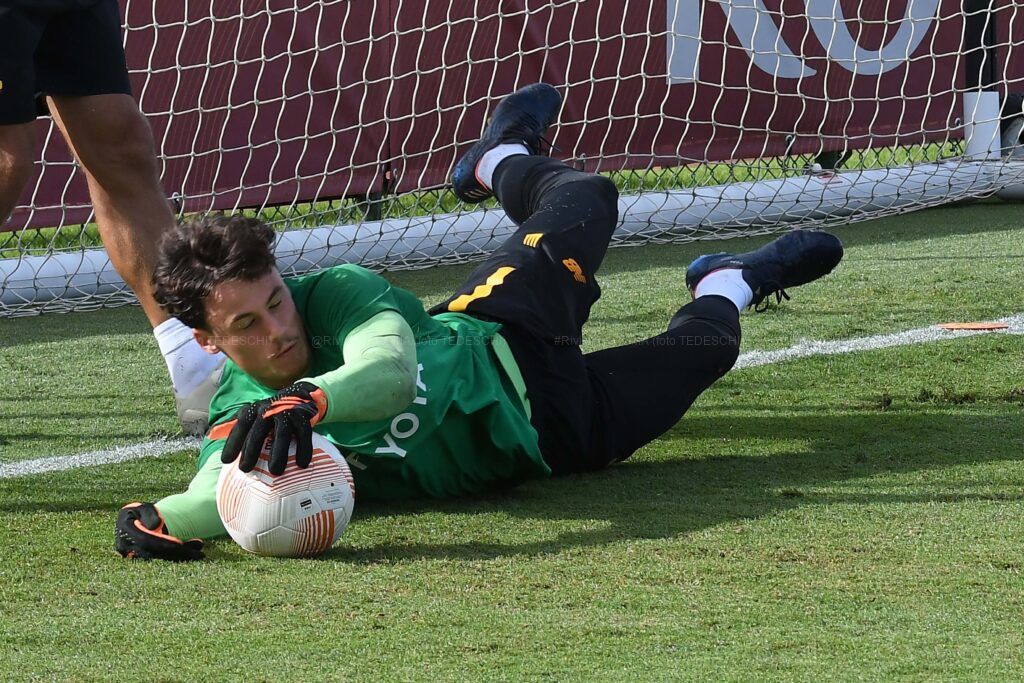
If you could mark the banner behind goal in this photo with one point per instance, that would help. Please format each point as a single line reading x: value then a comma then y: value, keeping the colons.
x: 339, y: 121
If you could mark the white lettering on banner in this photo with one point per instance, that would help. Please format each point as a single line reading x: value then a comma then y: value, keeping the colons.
x: 757, y: 31
x: 406, y: 424
x: 832, y: 28
x: 753, y: 25
x: 759, y: 35
x: 683, y: 40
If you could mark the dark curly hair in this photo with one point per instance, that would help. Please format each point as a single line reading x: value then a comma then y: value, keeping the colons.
x: 198, y: 254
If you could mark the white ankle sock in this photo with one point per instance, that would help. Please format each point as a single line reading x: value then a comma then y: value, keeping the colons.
x: 491, y: 158
x: 727, y: 282
x: 186, y: 360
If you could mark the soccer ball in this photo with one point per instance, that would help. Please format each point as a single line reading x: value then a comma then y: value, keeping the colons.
x: 300, y: 513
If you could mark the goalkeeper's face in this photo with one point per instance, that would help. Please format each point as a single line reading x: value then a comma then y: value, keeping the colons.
x: 256, y: 324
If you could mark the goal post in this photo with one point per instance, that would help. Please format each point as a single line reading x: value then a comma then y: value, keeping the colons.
x: 339, y: 122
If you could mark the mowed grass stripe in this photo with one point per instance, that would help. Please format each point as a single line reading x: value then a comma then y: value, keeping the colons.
x: 804, y: 349
x: 91, y: 381
x: 842, y: 517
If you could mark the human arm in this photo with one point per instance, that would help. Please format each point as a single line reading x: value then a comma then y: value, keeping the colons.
x: 378, y: 378
x: 156, y: 531
x: 193, y: 513
x: 376, y: 381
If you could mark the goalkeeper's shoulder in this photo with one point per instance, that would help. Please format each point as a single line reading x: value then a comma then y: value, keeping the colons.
x: 344, y: 275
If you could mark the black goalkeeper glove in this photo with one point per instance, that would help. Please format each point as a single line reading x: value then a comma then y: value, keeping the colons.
x: 290, y: 414
x: 141, y: 533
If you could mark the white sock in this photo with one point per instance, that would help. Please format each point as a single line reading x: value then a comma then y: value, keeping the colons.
x: 490, y: 160
x: 186, y: 360
x: 727, y: 282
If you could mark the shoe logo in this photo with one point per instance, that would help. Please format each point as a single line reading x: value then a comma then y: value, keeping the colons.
x: 575, y: 269
x: 533, y: 239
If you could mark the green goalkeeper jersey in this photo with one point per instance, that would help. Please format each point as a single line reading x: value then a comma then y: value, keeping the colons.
x: 468, y: 428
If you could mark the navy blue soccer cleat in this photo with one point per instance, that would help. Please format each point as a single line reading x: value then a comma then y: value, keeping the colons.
x: 792, y: 260
x: 521, y: 117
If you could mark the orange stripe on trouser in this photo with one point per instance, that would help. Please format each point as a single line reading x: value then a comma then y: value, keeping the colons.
x: 460, y: 303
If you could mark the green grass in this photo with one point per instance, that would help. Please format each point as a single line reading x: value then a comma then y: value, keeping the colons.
x: 850, y: 517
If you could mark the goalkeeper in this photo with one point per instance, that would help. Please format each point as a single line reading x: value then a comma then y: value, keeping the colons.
x: 490, y: 388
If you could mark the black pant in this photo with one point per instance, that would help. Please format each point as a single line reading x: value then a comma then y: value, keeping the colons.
x: 58, y: 47
x: 597, y: 408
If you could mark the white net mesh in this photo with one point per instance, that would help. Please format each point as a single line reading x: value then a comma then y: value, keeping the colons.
x: 339, y: 122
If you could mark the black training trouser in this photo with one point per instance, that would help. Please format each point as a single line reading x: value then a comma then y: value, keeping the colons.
x: 591, y: 409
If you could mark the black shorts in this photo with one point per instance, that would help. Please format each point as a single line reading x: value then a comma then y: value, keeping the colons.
x: 58, y: 47
x: 540, y: 285
x: 597, y: 408
x: 542, y: 280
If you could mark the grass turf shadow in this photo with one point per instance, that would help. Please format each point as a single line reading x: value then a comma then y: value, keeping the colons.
x: 666, y: 498
x: 653, y: 496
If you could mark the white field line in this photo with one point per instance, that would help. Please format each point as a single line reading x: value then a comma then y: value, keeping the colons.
x: 150, y: 449
x: 805, y: 349
x: 802, y: 349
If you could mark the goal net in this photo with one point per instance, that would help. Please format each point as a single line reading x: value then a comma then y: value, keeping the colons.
x: 339, y: 122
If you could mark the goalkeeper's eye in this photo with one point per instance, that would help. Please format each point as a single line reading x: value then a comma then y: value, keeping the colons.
x: 274, y: 304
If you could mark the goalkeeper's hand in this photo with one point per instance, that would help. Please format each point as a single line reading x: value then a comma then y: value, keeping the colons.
x: 141, y: 533
x: 290, y: 414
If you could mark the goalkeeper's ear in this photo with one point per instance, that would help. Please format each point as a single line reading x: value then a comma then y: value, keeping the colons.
x: 205, y: 340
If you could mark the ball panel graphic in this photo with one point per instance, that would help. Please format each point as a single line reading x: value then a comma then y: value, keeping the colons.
x: 300, y: 513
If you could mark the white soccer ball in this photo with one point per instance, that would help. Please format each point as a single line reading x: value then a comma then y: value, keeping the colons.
x: 299, y: 513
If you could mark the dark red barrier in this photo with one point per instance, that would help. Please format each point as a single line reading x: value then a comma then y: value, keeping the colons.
x: 199, y: 80
x: 621, y: 112
x: 278, y: 106
x: 1011, y: 23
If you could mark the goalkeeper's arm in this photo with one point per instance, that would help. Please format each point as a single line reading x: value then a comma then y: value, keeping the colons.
x: 193, y: 513
x: 378, y: 379
x: 174, y: 528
